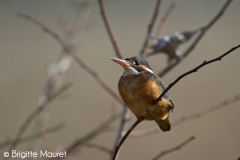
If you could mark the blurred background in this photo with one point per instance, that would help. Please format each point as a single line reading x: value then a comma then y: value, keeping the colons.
x: 26, y: 52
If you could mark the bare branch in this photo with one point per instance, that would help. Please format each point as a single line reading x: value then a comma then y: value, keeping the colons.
x: 197, y: 40
x: 97, y: 77
x: 39, y: 135
x: 165, y: 18
x: 92, y: 134
x: 81, y: 63
x: 61, y: 89
x: 109, y: 30
x: 176, y: 148
x: 124, y: 138
x: 43, y: 27
x: 57, y: 69
x: 193, y: 116
x: 150, y: 26
x: 32, y: 116
x: 99, y: 147
x: 207, y: 111
x: 194, y: 70
x: 124, y: 118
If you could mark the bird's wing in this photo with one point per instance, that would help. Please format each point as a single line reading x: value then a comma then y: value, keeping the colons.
x: 158, y: 81
x: 161, y: 43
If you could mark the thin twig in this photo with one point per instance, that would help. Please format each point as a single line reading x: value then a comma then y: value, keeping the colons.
x: 92, y: 134
x: 207, y: 27
x: 45, y: 29
x: 176, y: 148
x: 32, y: 116
x: 39, y: 135
x: 165, y: 18
x: 124, y: 118
x: 197, y: 40
x: 55, y: 72
x: 99, y: 147
x: 97, y: 77
x: 194, y: 70
x: 124, y: 138
x: 109, y: 30
x: 150, y: 26
x: 81, y: 63
x: 190, y: 117
x: 207, y: 111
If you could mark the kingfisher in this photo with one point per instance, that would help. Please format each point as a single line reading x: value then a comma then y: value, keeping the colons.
x: 139, y: 87
x: 170, y: 44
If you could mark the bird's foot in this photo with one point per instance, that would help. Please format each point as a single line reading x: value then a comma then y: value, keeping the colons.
x: 140, y: 119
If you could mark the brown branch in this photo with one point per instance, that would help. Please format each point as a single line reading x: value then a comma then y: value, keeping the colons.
x: 124, y: 118
x: 44, y: 29
x: 97, y: 77
x: 194, y: 70
x: 165, y: 18
x: 176, y: 148
x: 124, y: 138
x: 92, y: 134
x: 197, y: 40
x: 109, y: 30
x: 38, y: 135
x: 32, y: 116
x: 150, y: 26
x: 193, y: 116
x: 99, y: 147
x: 80, y: 62
x: 56, y: 72
x: 207, y: 111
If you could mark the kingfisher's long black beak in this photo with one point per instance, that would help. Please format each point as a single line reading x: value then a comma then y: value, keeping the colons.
x: 122, y: 62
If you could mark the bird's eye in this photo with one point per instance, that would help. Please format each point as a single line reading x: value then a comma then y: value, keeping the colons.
x: 136, y: 62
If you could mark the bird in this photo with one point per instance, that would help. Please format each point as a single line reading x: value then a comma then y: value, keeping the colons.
x: 139, y: 87
x: 170, y: 44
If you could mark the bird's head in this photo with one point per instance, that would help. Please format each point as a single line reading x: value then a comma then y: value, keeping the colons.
x: 133, y: 65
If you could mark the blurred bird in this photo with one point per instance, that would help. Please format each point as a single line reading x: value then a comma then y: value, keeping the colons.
x: 139, y: 87
x: 170, y: 44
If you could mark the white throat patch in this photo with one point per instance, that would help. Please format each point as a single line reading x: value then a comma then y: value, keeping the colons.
x: 130, y: 71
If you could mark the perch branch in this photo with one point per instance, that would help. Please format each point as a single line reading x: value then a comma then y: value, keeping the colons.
x: 124, y: 118
x: 194, y: 70
x: 186, y: 118
x: 124, y: 138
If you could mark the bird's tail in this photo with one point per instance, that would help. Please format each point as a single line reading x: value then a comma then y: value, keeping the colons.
x: 164, y: 124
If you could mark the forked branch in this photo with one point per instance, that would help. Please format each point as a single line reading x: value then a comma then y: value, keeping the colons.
x: 192, y: 71
x: 71, y: 51
x: 197, y: 40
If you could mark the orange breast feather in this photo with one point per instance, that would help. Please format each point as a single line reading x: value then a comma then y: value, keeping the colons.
x: 138, y: 92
